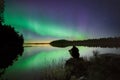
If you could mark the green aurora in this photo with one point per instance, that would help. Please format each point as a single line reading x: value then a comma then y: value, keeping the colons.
x: 43, y: 26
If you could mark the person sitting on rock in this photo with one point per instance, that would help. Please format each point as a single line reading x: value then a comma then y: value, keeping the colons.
x: 75, y: 66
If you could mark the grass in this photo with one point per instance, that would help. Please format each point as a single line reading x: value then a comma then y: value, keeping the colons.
x: 54, y: 71
x: 100, y: 67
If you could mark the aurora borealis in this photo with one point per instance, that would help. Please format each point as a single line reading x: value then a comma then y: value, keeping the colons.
x: 48, y: 20
x: 38, y: 24
x: 74, y: 19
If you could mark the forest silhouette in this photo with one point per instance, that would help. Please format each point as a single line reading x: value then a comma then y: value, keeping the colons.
x: 110, y: 42
x: 11, y: 43
x: 11, y: 46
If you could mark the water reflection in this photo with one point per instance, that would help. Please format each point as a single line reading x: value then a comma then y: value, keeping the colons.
x: 36, y: 58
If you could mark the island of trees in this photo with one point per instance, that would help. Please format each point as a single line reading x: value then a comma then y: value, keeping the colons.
x: 111, y: 42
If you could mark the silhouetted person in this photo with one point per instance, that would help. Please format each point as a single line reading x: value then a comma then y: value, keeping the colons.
x: 75, y: 66
x: 74, y: 52
x: 11, y: 46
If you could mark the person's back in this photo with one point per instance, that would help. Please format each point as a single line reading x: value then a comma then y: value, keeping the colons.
x: 75, y: 66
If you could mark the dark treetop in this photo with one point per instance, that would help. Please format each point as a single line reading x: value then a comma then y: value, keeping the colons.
x: 11, y: 46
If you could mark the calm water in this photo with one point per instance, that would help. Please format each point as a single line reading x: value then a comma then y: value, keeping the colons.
x: 34, y: 59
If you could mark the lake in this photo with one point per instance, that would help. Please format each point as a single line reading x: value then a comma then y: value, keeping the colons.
x: 34, y: 59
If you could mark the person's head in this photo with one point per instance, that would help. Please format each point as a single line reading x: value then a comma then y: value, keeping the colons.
x: 74, y: 52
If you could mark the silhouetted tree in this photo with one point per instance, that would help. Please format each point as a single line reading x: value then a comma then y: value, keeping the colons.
x: 1, y: 10
x: 11, y: 43
x: 11, y: 46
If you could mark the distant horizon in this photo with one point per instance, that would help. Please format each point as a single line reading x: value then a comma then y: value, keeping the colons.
x: 111, y: 42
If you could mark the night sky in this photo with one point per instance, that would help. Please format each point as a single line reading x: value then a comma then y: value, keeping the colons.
x: 44, y: 20
x: 48, y: 20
